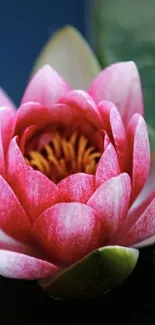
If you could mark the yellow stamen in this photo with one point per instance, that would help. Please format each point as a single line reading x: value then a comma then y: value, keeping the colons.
x: 63, y: 157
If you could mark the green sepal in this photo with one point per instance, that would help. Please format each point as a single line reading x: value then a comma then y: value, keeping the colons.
x: 94, y: 275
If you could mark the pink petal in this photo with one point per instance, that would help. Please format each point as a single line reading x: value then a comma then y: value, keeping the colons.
x: 139, y: 152
x: 7, y: 118
x: 15, y: 162
x: 81, y: 100
x: 9, y: 243
x: 78, y: 187
x: 69, y: 231
x: 31, y: 113
x: 106, y: 140
x: 112, y: 123
x: 108, y: 166
x: 2, y: 161
x: 7, y: 124
x: 13, y: 219
x: 140, y: 204
x: 60, y: 115
x: 111, y: 200
x: 20, y: 266
x: 146, y: 242
x: 34, y: 114
x: 5, y: 101
x: 36, y: 193
x: 120, y: 83
x: 143, y: 228
x: 26, y: 136
x: 46, y: 87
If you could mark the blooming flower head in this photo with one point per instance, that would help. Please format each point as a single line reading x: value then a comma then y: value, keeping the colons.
x: 73, y: 163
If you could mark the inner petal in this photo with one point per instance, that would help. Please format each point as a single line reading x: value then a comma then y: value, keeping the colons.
x: 59, y: 154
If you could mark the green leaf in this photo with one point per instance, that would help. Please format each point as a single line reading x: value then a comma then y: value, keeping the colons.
x: 71, y: 56
x: 125, y: 31
x: 96, y: 274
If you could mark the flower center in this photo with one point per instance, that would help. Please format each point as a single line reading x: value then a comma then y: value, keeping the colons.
x: 62, y: 157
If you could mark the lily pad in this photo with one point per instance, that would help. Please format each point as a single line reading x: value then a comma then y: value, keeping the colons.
x: 71, y: 56
x: 96, y: 274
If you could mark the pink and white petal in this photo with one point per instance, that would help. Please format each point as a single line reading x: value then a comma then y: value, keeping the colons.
x: 106, y: 140
x: 11, y: 244
x: 119, y: 136
x: 143, y: 228
x: 112, y: 123
x: 104, y: 107
x: 120, y: 83
x: 69, y: 231
x: 2, y: 160
x: 5, y: 101
x: 36, y: 193
x: 140, y: 204
x: 26, y: 136
x: 78, y: 187
x: 13, y: 219
x: 15, y: 162
x: 111, y: 200
x: 108, y: 166
x: 60, y: 115
x: 145, y: 243
x: 81, y: 100
x: 35, y: 114
x: 7, y: 123
x: 31, y: 113
x: 46, y: 87
x: 139, y: 151
x: 19, y: 266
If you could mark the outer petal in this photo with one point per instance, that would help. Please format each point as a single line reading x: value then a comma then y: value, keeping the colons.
x: 120, y: 83
x: 111, y: 200
x: 143, y: 228
x: 2, y: 161
x: 68, y: 231
x: 78, y: 187
x: 35, y: 192
x: 81, y: 100
x: 140, y: 204
x: 13, y: 218
x: 15, y: 162
x: 108, y: 166
x: 7, y: 123
x: 20, y: 266
x: 5, y: 101
x: 46, y: 87
x: 112, y: 123
x: 139, y: 151
x: 9, y: 243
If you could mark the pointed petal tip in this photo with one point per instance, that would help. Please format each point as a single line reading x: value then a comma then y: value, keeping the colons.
x: 120, y: 83
x: 5, y: 101
x: 65, y: 51
x: 45, y: 86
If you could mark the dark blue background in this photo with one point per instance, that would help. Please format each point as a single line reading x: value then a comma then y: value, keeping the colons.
x: 25, y: 25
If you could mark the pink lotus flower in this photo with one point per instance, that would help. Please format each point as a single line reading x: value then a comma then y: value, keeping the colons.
x: 73, y: 164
